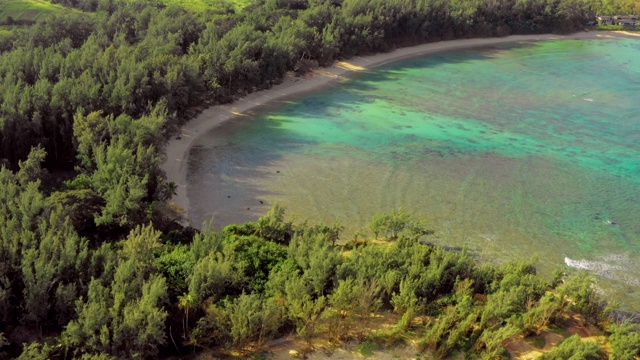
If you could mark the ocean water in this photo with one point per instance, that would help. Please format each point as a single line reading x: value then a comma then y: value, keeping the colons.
x: 514, y: 151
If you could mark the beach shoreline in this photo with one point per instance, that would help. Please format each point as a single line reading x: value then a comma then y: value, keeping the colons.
x: 177, y: 149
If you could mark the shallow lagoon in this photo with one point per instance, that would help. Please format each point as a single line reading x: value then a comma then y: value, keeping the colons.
x: 514, y: 151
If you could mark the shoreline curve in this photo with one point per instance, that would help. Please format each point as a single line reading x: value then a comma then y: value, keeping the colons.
x: 177, y: 148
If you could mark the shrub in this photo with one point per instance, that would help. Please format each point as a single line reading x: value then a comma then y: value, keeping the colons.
x: 573, y: 348
x: 625, y: 341
x: 391, y: 225
x: 367, y: 348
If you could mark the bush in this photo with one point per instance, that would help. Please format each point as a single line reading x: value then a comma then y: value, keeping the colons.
x: 367, y: 348
x: 625, y: 341
x: 240, y: 321
x: 573, y: 348
x: 391, y: 225
x: 580, y: 294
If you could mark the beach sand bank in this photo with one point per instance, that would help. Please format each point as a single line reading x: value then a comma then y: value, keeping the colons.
x: 177, y: 149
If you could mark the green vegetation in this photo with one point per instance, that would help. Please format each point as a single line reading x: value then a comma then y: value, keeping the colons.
x: 140, y: 60
x: 615, y: 28
x: 246, y: 284
x: 94, y: 263
x: 395, y: 223
x: 229, y: 289
x: 367, y: 348
x: 29, y: 11
x: 219, y: 6
x: 617, y: 7
x: 574, y: 348
x: 625, y: 340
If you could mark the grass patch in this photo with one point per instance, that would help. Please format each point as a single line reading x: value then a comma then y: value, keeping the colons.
x: 616, y: 27
x: 221, y: 6
x: 30, y: 10
x: 367, y: 348
x: 261, y: 356
x: 536, y: 340
x: 388, y: 337
x: 559, y: 330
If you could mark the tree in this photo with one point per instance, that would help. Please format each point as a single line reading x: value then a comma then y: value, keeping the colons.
x: 272, y: 226
x: 51, y: 270
x: 125, y: 319
x: 493, y: 339
x: 141, y: 244
x: 394, y: 223
x: 405, y: 300
x: 167, y: 190
x: 90, y: 132
x: 31, y: 169
x: 186, y: 303
x: 573, y: 348
x: 541, y: 314
x: 352, y: 302
x: 252, y: 318
x: 579, y: 293
x: 317, y: 259
x: 343, y: 302
x: 302, y: 308
x: 36, y: 351
x: 454, y: 326
x: 212, y: 276
x: 121, y: 177
x: 625, y: 340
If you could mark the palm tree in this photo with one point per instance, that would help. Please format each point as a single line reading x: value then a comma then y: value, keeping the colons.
x: 167, y: 190
x: 186, y: 303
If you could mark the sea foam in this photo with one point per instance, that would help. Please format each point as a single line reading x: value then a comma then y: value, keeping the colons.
x: 611, y: 267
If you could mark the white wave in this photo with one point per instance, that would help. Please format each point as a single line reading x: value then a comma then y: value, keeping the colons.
x: 585, y: 99
x: 489, y: 237
x: 618, y: 270
x: 591, y: 265
x: 619, y: 259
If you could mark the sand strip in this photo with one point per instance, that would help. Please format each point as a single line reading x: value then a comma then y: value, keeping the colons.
x: 178, y: 147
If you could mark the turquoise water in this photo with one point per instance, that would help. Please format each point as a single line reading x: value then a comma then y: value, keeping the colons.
x: 514, y: 151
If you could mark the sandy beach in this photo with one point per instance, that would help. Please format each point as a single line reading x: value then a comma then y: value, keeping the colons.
x: 178, y: 147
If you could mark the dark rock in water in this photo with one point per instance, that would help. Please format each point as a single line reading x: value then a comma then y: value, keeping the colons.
x: 229, y: 196
x: 178, y: 137
x: 621, y: 315
x: 261, y: 202
x: 248, y: 208
x: 448, y: 248
x: 278, y: 172
x: 452, y: 248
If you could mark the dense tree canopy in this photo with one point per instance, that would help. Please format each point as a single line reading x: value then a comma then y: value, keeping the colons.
x: 136, y: 58
x: 92, y: 262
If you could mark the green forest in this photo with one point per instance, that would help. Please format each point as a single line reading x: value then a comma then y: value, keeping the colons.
x: 94, y: 263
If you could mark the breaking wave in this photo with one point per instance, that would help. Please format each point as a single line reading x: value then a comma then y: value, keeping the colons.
x: 614, y: 267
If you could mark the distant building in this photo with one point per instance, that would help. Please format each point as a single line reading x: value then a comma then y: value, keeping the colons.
x: 605, y: 20
x: 626, y: 20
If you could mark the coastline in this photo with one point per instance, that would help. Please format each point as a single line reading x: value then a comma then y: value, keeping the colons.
x: 179, y: 145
